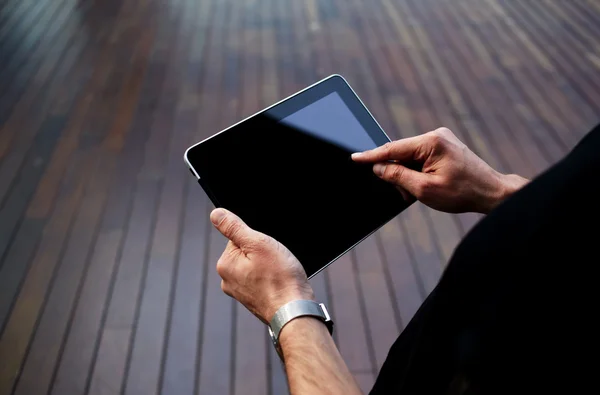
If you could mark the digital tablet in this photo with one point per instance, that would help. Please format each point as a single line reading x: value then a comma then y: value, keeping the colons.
x: 286, y: 171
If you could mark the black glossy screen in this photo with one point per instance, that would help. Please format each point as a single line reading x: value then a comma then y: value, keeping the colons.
x: 287, y: 172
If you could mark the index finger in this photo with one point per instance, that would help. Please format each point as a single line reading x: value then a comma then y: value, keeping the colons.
x: 400, y: 150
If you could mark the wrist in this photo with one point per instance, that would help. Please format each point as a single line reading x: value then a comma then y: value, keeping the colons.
x: 304, y: 293
x: 506, y: 185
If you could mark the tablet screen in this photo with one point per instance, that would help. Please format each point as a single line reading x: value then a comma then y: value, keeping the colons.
x: 287, y: 172
x: 326, y: 118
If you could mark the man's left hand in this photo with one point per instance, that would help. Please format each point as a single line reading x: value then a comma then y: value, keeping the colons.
x: 257, y: 270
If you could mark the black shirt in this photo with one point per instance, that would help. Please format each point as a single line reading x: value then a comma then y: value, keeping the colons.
x: 517, y: 307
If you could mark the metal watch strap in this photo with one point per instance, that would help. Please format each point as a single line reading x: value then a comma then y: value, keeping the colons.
x: 299, y: 308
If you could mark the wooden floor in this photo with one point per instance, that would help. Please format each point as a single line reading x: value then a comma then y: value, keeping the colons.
x: 107, y: 280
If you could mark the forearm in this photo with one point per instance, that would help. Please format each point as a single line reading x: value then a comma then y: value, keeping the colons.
x: 312, y: 361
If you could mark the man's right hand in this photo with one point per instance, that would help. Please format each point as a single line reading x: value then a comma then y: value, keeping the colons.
x: 453, y: 179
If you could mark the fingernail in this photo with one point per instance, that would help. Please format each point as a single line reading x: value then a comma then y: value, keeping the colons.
x: 356, y: 155
x: 217, y: 215
x: 378, y: 169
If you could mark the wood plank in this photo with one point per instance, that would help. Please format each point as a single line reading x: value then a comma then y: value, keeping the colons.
x: 109, y: 370
x: 36, y: 82
x: 183, y: 342
x: 181, y: 358
x: 504, y: 130
x: 317, y: 41
x: 579, y: 31
x: 433, y: 72
x: 553, y: 148
x: 47, y: 82
x: 408, y: 289
x: 47, y: 344
x: 567, y: 43
x: 278, y: 383
x: 581, y: 10
x: 44, y: 197
x: 288, y: 65
x: 250, y: 101
x: 427, y: 257
x: 492, y: 125
x: 19, y: 22
x: 303, y: 53
x: 594, y: 7
x: 9, y: 7
x: 53, y: 99
x: 25, y: 47
x: 539, y: 98
x: 350, y: 327
x: 41, y: 84
x: 270, y: 85
x: 526, y: 128
x: 378, y: 310
x: 23, y: 318
x: 147, y: 344
x: 144, y: 373
x: 217, y: 341
x: 24, y: 314
x: 73, y: 368
x: 16, y: 202
x: 582, y: 88
x: 365, y: 381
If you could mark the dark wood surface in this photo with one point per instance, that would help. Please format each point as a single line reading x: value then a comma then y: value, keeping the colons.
x: 107, y: 280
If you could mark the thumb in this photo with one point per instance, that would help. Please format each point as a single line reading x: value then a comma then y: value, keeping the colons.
x: 401, y: 176
x: 231, y: 226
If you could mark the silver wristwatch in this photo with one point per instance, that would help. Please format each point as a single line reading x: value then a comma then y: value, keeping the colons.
x: 295, y: 309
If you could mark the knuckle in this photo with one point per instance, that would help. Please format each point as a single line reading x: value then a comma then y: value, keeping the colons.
x: 435, y: 138
x: 388, y: 147
x: 445, y: 137
x: 222, y: 267
x: 444, y: 131
x: 232, y: 227
x: 397, y: 172
x: 225, y: 288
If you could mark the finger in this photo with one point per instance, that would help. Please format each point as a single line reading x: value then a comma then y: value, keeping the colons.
x: 401, y: 150
x: 232, y: 226
x: 401, y: 176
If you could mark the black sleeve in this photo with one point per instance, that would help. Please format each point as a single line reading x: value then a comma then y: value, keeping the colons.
x: 516, y: 308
